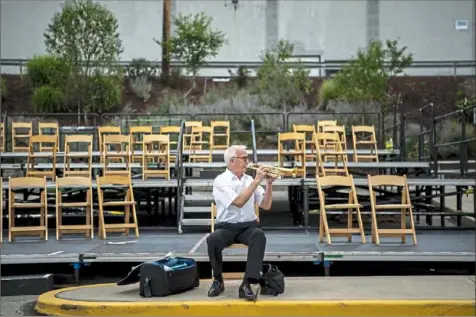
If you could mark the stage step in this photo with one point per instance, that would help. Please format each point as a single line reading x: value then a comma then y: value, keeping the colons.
x: 196, y: 209
x: 199, y: 199
x: 26, y: 284
x: 195, y: 222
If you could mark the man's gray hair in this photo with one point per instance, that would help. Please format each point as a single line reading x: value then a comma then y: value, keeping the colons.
x: 231, y: 152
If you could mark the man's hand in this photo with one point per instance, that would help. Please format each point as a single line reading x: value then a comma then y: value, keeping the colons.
x: 270, y: 180
x: 260, y: 174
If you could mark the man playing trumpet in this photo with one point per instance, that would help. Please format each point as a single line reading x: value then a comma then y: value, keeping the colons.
x: 235, y: 195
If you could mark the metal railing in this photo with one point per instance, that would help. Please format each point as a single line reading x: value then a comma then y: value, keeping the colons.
x: 425, y: 112
x: 329, y: 65
x: 180, y: 179
x: 459, y: 121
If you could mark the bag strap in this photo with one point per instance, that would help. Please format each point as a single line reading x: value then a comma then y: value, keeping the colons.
x: 147, y: 290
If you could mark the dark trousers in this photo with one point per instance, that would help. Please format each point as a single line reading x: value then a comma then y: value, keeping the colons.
x: 226, y: 234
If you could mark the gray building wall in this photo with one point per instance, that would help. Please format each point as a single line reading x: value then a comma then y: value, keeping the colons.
x: 327, y: 28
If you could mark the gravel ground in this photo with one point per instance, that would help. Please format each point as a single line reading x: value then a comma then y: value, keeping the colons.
x: 18, y: 306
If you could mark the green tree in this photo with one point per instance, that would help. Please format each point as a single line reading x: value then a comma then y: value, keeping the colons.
x: 85, y: 34
x: 279, y: 83
x: 365, y: 79
x: 195, y: 41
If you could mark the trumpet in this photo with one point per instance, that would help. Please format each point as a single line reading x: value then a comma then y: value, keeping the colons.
x: 275, y: 172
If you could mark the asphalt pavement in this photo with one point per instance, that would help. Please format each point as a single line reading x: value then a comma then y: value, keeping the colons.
x: 18, y: 306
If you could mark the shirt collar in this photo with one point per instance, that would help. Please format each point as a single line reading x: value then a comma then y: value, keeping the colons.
x: 233, y: 176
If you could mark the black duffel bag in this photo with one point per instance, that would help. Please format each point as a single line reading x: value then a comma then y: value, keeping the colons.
x: 272, y: 280
x: 164, y: 277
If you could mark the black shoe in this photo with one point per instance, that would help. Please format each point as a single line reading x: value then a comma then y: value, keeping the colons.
x: 246, y: 292
x: 216, y: 288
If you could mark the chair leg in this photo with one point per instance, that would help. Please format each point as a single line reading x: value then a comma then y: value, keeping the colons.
x: 349, y: 217
x: 58, y: 213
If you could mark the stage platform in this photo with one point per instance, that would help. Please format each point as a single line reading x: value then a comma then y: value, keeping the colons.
x: 316, y: 296
x: 286, y: 246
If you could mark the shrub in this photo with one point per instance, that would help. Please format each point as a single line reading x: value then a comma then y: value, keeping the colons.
x: 279, y: 85
x: 3, y: 87
x: 365, y: 79
x: 241, y: 77
x: 86, y: 34
x: 328, y: 91
x: 141, y: 87
x: 450, y: 131
x: 48, y: 99
x: 141, y: 67
x: 47, y: 70
x: 104, y: 93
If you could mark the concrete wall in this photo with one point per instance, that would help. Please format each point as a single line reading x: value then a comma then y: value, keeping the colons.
x: 330, y: 29
x: 428, y: 29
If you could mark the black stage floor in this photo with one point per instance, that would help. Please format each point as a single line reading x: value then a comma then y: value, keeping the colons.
x: 287, y: 246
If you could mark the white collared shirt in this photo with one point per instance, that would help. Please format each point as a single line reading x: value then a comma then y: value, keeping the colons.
x: 226, y: 188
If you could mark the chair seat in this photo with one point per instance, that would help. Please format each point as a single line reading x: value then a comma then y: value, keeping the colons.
x: 28, y: 205
x: 28, y: 229
x: 390, y: 206
x: 84, y: 204
x: 365, y: 142
x: 342, y: 206
x: 237, y: 246
x: 118, y: 203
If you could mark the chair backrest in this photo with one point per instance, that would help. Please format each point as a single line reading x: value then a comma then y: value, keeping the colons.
x: 113, y: 180
x: 169, y: 129
x: 20, y: 182
x: 73, y: 181
x: 335, y: 180
x: 387, y: 180
x: 322, y: 123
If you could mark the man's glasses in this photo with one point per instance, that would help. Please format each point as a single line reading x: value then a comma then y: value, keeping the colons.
x: 244, y: 158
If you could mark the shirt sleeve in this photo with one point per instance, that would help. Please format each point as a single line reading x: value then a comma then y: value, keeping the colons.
x: 223, y: 193
x: 259, y: 195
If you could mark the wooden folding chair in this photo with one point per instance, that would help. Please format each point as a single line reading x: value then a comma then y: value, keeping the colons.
x: 75, y: 183
x: 328, y: 145
x: 170, y: 131
x: 199, y: 143
x: 340, y: 130
x: 400, y: 182
x: 299, y: 144
x: 22, y: 137
x: 34, y: 156
x: 103, y: 131
x: 156, y: 148
x: 48, y: 126
x: 367, y: 140
x: 223, y: 132
x: 187, y: 135
x: 308, y: 130
x: 351, y: 206
x: 70, y: 156
x: 13, y: 205
x: 136, y: 134
x: 116, y: 148
x: 128, y: 203
x: 324, y: 123
x: 229, y: 275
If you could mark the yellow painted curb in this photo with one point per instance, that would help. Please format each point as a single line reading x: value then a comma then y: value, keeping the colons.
x: 49, y: 304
